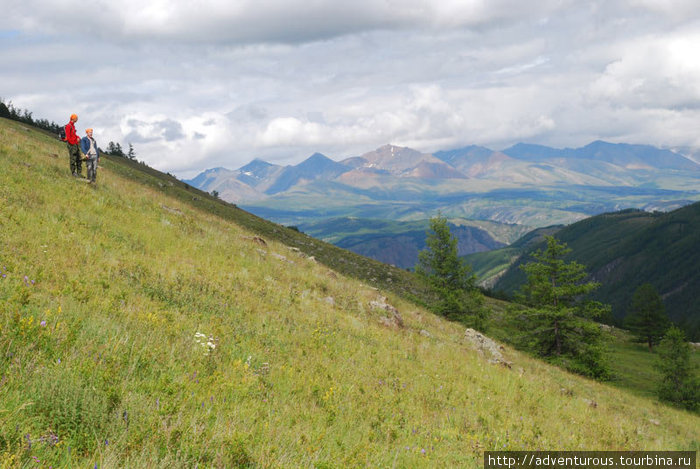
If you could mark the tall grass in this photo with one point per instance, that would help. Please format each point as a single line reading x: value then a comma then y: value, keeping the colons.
x: 137, y: 330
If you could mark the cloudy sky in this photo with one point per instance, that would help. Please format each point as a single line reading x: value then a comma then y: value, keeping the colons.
x: 206, y: 83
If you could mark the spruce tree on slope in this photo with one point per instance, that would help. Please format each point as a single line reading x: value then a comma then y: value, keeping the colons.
x: 647, y: 318
x: 559, y: 323
x: 449, y: 277
x: 679, y: 381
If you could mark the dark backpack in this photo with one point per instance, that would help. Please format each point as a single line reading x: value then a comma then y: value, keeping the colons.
x: 62, y: 134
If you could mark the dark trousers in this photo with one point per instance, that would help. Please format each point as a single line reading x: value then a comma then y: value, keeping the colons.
x: 76, y: 163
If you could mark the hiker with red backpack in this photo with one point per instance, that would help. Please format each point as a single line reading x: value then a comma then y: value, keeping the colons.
x: 73, y: 141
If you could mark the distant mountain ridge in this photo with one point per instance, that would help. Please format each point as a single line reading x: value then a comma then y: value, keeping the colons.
x: 622, y: 154
x: 398, y: 243
x: 524, y: 184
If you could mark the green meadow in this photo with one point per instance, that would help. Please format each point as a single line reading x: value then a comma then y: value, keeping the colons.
x: 142, y: 325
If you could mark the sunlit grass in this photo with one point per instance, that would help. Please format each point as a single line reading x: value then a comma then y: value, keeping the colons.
x: 100, y: 361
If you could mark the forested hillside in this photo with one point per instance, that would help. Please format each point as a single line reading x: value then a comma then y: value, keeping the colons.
x: 624, y: 250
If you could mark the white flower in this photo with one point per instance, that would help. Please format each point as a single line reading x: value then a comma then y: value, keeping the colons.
x: 208, y: 343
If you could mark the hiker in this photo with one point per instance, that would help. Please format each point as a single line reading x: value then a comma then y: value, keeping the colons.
x: 92, y: 155
x: 72, y: 139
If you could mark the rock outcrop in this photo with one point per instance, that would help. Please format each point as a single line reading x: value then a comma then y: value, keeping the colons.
x: 486, y: 347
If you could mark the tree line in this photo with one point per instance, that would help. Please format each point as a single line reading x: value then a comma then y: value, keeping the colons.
x: 9, y: 111
x: 115, y: 149
x: 554, y: 319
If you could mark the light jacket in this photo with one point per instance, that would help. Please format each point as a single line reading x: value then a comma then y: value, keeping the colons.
x: 85, y: 146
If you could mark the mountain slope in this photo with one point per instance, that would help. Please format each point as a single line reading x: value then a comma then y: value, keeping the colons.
x: 621, y: 154
x: 623, y: 250
x: 317, y: 166
x: 398, y: 243
x: 227, y: 183
x: 141, y: 327
x: 490, y: 266
x: 406, y: 162
x: 258, y: 174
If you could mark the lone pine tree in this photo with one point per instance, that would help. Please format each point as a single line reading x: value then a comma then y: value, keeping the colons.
x: 679, y: 383
x: 647, y: 318
x: 450, y: 278
x: 559, y: 322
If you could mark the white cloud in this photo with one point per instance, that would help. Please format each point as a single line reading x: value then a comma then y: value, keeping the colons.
x: 654, y: 72
x: 290, y: 131
x: 220, y: 83
x: 248, y: 21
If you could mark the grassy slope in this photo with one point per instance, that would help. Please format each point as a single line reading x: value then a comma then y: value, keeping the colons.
x: 124, y: 275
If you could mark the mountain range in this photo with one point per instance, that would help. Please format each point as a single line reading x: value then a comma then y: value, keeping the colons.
x: 525, y: 184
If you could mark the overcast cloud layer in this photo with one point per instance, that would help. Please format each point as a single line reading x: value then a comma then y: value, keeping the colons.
x: 195, y: 85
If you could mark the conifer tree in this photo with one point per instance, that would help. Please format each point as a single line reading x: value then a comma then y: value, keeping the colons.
x: 449, y: 277
x: 4, y: 110
x: 558, y: 323
x: 647, y: 318
x: 679, y: 382
x: 131, y: 155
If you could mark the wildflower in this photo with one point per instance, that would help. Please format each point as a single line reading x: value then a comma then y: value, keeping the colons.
x: 42, y: 323
x: 209, y: 343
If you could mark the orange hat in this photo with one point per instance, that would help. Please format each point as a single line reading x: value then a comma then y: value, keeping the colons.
x: 88, y: 130
x: 73, y: 116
